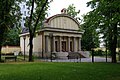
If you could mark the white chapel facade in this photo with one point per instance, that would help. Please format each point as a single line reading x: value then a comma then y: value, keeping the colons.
x: 60, y: 34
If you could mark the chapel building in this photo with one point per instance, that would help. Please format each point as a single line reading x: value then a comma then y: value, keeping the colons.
x: 60, y: 34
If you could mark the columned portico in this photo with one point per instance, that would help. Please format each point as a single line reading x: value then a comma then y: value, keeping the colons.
x: 64, y: 44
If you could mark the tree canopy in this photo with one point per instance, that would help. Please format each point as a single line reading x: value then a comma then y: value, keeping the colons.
x: 71, y: 11
x: 105, y: 16
x: 90, y: 37
x: 12, y: 37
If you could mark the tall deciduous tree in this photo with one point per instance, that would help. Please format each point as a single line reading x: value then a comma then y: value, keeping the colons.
x: 34, y: 21
x: 105, y: 16
x: 9, y: 16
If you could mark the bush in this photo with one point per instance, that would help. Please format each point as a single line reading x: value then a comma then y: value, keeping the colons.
x: 99, y: 53
x: 2, y: 61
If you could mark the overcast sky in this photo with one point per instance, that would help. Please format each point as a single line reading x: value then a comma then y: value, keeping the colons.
x: 57, y: 5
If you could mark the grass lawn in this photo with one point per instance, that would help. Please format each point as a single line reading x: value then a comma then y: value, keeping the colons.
x: 59, y: 71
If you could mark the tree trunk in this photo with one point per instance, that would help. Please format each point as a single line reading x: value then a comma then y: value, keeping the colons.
x: 113, y: 52
x: 31, y: 48
x: 0, y: 52
x: 114, y: 44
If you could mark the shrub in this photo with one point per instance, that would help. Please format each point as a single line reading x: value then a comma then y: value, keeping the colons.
x: 99, y: 53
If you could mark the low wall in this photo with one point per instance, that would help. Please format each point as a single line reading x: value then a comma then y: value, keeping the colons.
x: 9, y: 49
x: 62, y: 55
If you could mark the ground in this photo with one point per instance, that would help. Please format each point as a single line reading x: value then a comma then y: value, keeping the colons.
x: 59, y: 71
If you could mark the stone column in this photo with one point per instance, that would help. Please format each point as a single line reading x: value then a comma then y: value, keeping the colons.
x: 74, y: 44
x: 79, y: 44
x: 60, y: 44
x: 43, y: 46
x: 46, y: 43
x: 68, y: 44
x: 53, y: 43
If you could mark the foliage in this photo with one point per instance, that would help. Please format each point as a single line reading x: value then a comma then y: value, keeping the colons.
x: 99, y: 53
x: 12, y: 37
x: 59, y: 71
x: 71, y: 11
x: 105, y: 16
x: 9, y: 17
x: 90, y: 38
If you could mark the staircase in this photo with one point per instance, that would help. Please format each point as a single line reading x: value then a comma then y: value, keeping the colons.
x: 80, y: 54
x: 84, y: 54
x: 71, y: 55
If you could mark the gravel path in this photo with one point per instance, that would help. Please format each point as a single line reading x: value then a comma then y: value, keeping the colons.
x: 96, y: 59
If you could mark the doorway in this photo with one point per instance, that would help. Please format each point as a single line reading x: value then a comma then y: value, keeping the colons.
x: 64, y: 46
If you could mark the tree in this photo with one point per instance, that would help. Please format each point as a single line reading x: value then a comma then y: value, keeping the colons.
x: 105, y: 16
x: 90, y: 37
x: 35, y: 20
x: 71, y: 11
x: 9, y: 16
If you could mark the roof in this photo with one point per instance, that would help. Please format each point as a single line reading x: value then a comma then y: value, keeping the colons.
x: 61, y: 15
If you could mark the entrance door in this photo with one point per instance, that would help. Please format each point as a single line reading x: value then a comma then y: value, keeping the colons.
x: 64, y: 46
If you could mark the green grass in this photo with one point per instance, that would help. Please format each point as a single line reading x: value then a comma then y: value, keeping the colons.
x: 59, y: 71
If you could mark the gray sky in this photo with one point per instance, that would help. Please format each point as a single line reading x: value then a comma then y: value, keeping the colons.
x: 57, y: 5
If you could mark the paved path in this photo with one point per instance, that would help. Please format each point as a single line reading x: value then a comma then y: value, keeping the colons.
x: 96, y: 59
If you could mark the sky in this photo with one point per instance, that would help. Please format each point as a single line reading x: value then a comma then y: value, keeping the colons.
x: 57, y: 5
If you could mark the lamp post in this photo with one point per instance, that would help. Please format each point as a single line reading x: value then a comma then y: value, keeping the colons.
x: 24, y: 37
x: 51, y: 36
